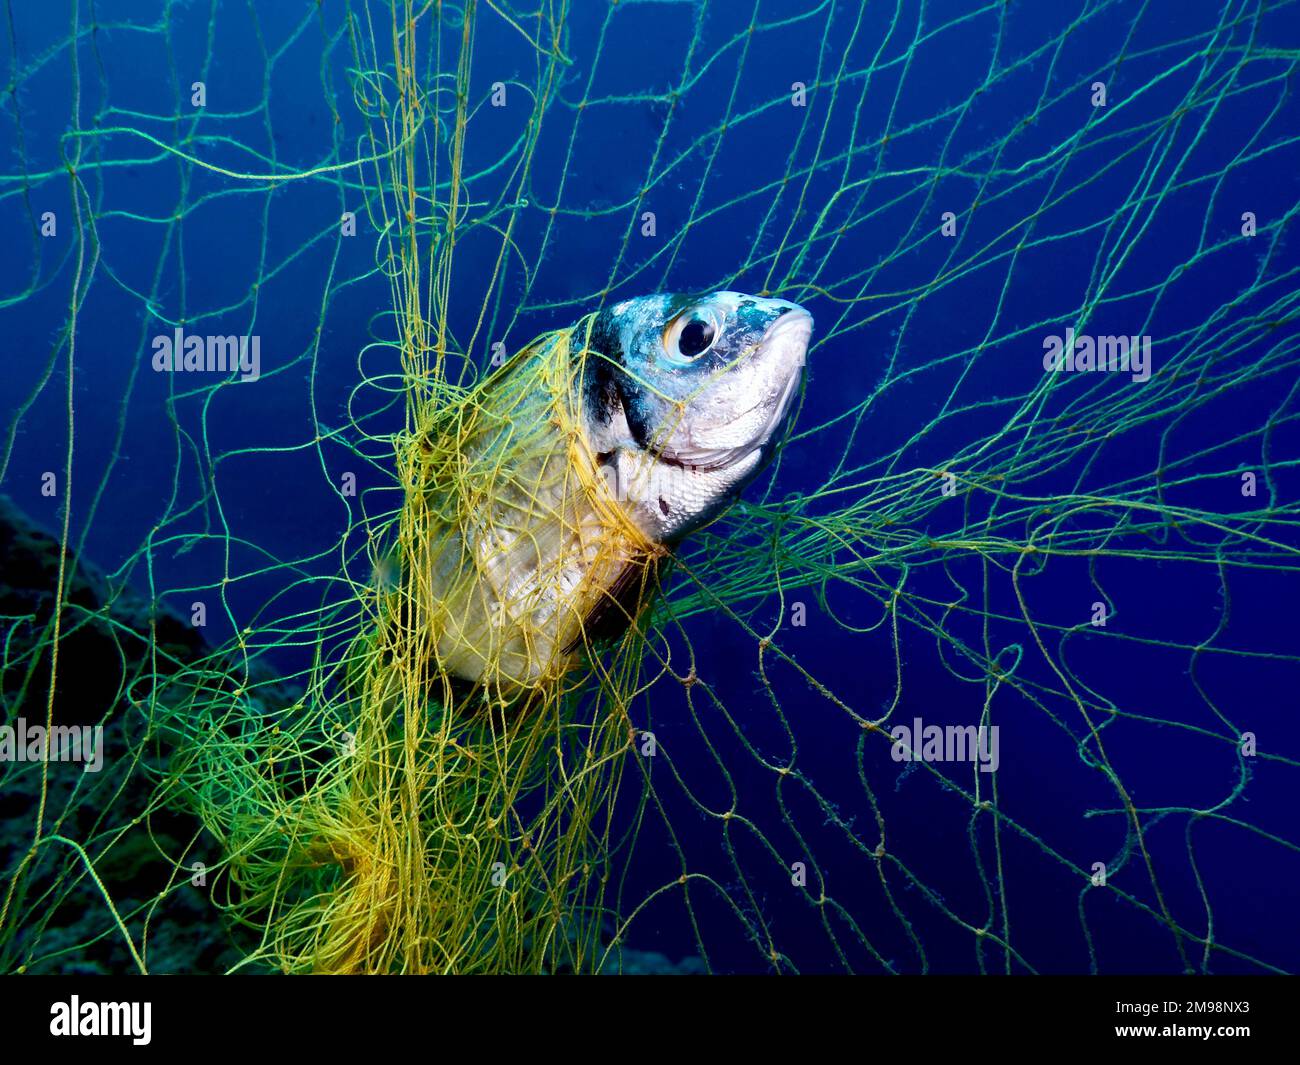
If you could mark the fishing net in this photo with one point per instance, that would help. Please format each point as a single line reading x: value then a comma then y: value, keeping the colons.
x: 328, y: 743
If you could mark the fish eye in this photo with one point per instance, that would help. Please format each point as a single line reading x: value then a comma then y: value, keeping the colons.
x: 691, y: 334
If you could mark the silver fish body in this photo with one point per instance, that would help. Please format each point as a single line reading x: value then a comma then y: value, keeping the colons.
x: 583, y: 461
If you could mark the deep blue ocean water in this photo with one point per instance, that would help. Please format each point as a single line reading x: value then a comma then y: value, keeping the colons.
x: 731, y: 211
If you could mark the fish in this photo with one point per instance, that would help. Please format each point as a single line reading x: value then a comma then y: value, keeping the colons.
x: 557, y: 488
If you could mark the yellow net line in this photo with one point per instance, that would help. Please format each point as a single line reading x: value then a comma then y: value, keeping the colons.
x: 405, y: 757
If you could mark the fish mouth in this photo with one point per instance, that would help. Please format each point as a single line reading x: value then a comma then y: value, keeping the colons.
x: 793, y: 328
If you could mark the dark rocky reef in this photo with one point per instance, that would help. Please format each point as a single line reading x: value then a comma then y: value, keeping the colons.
x: 113, y: 646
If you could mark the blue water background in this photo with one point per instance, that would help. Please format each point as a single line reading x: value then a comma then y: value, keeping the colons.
x: 284, y: 504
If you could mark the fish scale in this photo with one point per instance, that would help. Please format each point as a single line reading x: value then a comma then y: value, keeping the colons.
x: 536, y: 540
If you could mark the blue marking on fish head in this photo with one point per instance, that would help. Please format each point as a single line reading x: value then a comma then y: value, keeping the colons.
x: 702, y: 381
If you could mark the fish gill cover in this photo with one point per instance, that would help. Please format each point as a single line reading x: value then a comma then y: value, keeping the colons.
x: 993, y: 669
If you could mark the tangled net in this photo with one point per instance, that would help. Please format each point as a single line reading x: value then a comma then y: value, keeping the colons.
x: 941, y: 186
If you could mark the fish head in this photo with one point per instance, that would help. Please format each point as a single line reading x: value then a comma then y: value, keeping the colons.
x: 698, y: 389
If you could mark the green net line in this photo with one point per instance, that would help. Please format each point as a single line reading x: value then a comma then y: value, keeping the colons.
x: 907, y: 543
